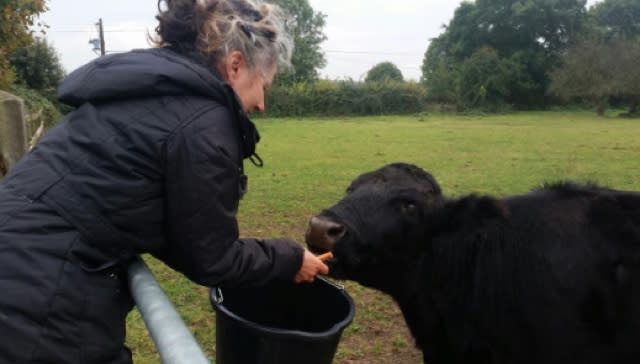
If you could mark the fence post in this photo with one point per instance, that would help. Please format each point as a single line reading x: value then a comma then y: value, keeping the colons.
x: 13, y: 131
x: 174, y: 341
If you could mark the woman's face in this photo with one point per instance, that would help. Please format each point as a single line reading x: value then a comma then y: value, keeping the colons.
x: 250, y: 85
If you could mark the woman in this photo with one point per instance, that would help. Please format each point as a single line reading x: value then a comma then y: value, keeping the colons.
x: 149, y: 161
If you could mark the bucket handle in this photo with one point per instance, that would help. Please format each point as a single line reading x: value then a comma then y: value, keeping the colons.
x: 217, y: 296
x: 327, y: 280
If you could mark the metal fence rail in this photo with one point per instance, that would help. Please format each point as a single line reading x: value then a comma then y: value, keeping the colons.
x: 173, y: 339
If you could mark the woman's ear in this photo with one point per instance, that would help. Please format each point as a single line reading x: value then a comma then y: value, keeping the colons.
x: 232, y: 65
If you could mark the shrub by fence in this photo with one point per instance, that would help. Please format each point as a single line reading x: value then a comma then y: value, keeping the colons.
x: 42, y: 112
x: 25, y: 116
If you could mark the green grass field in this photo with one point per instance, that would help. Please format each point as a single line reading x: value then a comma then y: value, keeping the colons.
x: 310, y: 162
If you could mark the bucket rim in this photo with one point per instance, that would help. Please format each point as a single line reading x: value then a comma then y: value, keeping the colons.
x: 337, y: 328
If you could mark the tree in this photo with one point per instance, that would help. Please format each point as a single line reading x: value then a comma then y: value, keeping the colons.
x: 37, y: 66
x: 628, y: 73
x: 587, y: 71
x: 544, y: 25
x: 617, y: 19
x: 530, y: 34
x: 16, y: 19
x: 604, y: 63
x: 306, y: 27
x: 486, y: 80
x: 440, y: 73
x: 385, y: 71
x: 616, y: 25
x: 463, y: 35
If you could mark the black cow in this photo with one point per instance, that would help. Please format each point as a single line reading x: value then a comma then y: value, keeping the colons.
x: 552, y: 276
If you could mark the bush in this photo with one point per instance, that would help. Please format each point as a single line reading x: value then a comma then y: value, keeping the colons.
x: 39, y: 109
x: 336, y: 98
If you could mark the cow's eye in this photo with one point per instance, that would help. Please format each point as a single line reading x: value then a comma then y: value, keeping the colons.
x: 409, y: 208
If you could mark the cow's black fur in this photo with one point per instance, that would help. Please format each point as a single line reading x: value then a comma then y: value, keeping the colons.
x: 552, y: 276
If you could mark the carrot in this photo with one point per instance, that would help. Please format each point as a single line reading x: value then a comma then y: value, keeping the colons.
x: 326, y: 256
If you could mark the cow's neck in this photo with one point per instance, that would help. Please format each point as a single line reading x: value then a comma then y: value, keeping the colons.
x: 411, y: 296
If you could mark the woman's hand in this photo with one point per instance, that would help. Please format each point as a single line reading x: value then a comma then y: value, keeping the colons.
x: 311, y: 267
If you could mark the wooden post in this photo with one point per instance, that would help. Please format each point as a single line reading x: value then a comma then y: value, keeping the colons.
x: 13, y: 131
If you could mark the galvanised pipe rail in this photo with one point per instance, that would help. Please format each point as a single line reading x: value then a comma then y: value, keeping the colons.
x: 173, y: 339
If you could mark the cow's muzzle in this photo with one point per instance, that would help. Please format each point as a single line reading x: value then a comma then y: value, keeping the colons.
x: 322, y: 234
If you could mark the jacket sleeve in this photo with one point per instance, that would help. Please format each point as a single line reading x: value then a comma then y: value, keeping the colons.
x: 202, y: 197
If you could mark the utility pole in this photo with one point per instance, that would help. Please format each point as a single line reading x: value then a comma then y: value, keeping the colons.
x: 98, y: 43
x: 101, y: 34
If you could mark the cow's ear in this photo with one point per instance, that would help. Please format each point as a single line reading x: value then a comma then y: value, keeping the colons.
x: 431, y: 189
x: 432, y: 200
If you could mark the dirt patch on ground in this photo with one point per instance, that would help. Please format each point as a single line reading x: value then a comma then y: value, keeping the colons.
x: 378, y: 334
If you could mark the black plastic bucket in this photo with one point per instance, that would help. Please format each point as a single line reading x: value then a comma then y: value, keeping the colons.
x: 281, y: 323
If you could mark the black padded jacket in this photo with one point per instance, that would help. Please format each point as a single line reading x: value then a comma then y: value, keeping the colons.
x: 153, y: 158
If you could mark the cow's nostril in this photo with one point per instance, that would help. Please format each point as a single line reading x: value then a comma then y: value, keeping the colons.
x: 323, y: 233
x: 336, y: 232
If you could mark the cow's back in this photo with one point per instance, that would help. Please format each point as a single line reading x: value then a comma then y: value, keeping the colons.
x: 585, y: 251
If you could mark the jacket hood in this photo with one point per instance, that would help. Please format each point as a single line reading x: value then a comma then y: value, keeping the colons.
x: 141, y: 73
x: 153, y: 72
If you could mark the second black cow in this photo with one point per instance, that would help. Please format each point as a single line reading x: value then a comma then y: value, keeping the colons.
x: 552, y: 276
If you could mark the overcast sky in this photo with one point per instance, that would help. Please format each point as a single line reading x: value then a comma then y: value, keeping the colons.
x: 361, y: 33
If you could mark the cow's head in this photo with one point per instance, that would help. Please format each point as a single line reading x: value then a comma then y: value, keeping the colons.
x: 377, y: 224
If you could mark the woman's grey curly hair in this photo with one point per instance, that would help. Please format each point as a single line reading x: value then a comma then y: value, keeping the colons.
x: 208, y: 30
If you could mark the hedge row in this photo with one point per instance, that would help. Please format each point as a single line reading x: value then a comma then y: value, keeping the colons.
x: 336, y: 98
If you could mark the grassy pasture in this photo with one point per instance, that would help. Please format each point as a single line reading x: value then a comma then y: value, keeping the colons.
x: 310, y: 162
